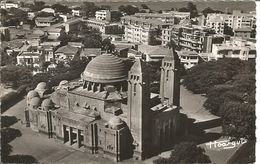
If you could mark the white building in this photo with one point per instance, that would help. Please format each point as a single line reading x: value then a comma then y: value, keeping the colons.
x: 48, y: 10
x: 236, y: 48
x: 104, y: 15
x: 235, y: 20
x: 8, y: 5
x: 45, y: 21
x: 139, y: 30
x: 78, y: 12
x: 217, y: 23
x: 188, y: 58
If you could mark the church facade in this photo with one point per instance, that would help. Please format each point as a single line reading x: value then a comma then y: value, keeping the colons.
x: 111, y: 111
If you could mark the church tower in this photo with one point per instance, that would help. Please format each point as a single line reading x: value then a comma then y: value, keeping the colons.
x: 170, y: 80
x: 138, y: 108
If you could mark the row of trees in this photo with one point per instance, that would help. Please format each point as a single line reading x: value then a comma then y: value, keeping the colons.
x: 229, y: 85
x: 185, y: 152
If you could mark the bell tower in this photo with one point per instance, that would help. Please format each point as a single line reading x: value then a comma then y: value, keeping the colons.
x: 170, y: 80
x: 138, y: 108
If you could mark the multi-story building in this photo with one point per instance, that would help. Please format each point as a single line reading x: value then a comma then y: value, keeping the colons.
x: 31, y: 60
x: 235, y: 20
x: 104, y: 15
x: 188, y: 58
x: 170, y: 18
x: 66, y: 53
x: 139, y: 30
x: 236, y: 48
x: 244, y: 33
x: 217, y: 23
x: 8, y: 5
x: 45, y: 21
x: 111, y: 112
x: 103, y: 26
x: 179, y: 15
x: 186, y: 36
x: 78, y: 12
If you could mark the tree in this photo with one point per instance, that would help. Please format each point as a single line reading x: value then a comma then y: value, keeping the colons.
x: 185, y: 152
x: 190, y: 8
x: 44, y: 14
x: 15, y: 75
x: 38, y: 6
x: 228, y: 30
x: 129, y: 9
x: 90, y: 8
x: 230, y: 88
x: 93, y: 40
x: 105, y: 7
x: 61, y: 8
x: 116, y: 16
x: 144, y: 6
x: 208, y: 10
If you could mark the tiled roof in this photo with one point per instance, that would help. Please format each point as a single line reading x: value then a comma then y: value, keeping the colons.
x: 67, y: 50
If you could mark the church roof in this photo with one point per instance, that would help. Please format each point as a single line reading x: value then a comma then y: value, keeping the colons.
x: 32, y: 94
x: 106, y: 68
x: 41, y: 86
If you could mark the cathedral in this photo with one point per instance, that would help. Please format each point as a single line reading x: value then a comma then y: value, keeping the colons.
x: 111, y: 111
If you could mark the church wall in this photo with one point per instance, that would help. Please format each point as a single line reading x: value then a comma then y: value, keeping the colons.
x: 83, y: 101
x: 166, y: 128
x: 42, y: 121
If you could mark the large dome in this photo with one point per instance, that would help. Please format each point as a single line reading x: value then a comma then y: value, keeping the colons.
x: 105, y: 68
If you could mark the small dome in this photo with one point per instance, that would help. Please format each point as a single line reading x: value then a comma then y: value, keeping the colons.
x: 115, y: 121
x: 47, y: 103
x: 35, y: 101
x: 32, y: 94
x: 105, y: 68
x: 64, y: 82
x: 41, y: 86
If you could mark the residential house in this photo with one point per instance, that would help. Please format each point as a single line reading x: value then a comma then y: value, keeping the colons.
x: 188, y: 58
x: 152, y: 53
x: 104, y: 15
x: 235, y: 48
x: 45, y: 21
x: 8, y: 5
x: 90, y: 53
x: 66, y: 53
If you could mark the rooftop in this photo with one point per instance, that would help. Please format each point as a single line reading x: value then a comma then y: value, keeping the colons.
x: 68, y: 49
x: 243, y: 30
x: 141, y: 20
x: 105, y: 68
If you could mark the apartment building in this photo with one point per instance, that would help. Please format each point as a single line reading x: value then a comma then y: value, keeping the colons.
x: 170, y: 17
x: 104, y: 15
x: 217, y: 23
x: 244, y: 33
x: 235, y: 20
x: 179, y: 15
x: 235, y: 48
x: 103, y: 26
x: 186, y: 36
x: 139, y: 30
x: 78, y: 12
x: 8, y: 5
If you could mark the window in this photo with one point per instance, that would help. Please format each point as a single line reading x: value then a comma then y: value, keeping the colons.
x: 167, y: 75
x: 134, y: 89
